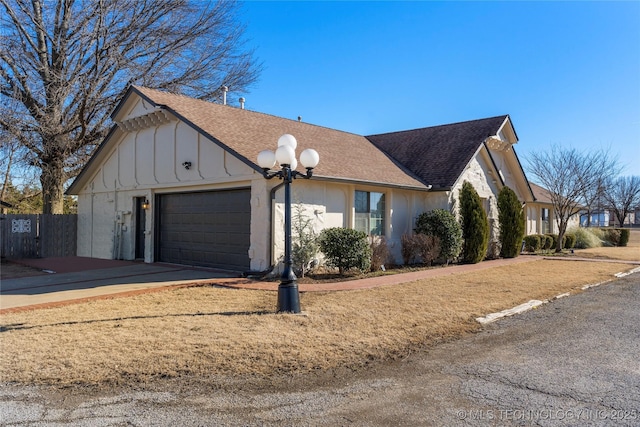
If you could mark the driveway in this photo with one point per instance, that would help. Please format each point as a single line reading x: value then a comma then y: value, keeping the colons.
x: 69, y: 279
x: 572, y: 362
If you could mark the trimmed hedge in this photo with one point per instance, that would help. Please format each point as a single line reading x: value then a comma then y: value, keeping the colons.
x: 442, y: 224
x: 570, y: 240
x: 345, y: 249
x: 624, y: 236
x: 532, y: 243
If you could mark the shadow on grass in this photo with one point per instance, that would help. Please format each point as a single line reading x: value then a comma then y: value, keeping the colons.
x: 22, y: 326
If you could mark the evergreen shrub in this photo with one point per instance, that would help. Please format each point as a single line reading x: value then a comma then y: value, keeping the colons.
x: 345, y: 249
x: 511, y: 219
x: 475, y: 225
x: 442, y: 224
x: 532, y: 243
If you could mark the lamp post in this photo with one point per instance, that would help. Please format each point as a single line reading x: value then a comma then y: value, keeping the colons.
x: 285, y: 156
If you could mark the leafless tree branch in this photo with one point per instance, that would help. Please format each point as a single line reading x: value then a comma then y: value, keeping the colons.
x: 64, y: 65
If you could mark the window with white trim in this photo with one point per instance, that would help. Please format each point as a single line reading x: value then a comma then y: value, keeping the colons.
x: 370, y: 212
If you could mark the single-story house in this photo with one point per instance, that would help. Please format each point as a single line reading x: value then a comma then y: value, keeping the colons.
x: 540, y: 213
x: 176, y: 180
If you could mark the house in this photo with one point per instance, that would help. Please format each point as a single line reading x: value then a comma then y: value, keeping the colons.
x: 176, y: 180
x: 540, y: 214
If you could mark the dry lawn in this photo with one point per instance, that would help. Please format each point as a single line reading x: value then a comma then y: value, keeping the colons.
x: 631, y: 252
x: 208, y: 331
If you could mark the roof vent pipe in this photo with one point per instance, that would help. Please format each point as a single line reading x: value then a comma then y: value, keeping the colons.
x: 241, y: 103
x: 224, y: 95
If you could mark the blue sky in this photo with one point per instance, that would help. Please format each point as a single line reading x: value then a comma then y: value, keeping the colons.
x: 568, y: 73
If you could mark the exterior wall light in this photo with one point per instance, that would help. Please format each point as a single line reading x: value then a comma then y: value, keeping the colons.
x: 285, y: 155
x: 145, y: 204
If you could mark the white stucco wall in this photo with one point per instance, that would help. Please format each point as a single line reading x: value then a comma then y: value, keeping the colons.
x: 331, y: 204
x: 145, y: 163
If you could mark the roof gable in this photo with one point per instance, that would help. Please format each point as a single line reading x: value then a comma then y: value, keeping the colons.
x: 438, y: 154
x: 245, y: 133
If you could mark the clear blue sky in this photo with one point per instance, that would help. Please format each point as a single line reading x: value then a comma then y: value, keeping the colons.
x: 568, y: 73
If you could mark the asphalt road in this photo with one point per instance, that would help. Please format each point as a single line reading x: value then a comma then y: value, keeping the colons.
x: 572, y: 362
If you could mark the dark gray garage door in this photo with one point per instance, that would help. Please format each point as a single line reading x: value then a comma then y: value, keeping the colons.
x: 210, y: 229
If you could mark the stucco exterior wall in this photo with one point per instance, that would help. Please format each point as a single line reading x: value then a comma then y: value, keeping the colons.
x: 330, y: 204
x: 146, y: 163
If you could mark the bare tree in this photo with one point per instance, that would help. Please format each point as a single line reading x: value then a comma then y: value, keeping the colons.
x: 568, y: 174
x: 592, y: 195
x: 622, y: 195
x: 64, y: 64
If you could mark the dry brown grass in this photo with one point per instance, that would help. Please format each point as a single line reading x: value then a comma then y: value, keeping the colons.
x: 631, y: 252
x: 211, y: 331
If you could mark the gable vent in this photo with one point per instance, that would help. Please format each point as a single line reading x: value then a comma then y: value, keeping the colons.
x: 155, y: 118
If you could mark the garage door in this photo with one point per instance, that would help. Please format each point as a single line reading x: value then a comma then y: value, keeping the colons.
x: 210, y: 229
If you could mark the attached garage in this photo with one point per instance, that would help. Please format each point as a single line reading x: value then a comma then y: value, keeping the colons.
x: 210, y: 228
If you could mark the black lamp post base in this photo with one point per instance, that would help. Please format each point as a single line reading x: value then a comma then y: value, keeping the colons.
x: 288, y: 298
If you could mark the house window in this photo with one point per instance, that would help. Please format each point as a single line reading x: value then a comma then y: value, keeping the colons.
x: 544, y: 219
x: 370, y: 208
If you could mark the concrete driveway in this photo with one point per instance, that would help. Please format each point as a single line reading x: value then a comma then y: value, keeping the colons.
x: 77, y: 278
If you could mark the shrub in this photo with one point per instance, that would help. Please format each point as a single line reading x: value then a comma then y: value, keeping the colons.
x: 511, y: 219
x: 570, y: 240
x: 475, y: 225
x: 546, y: 242
x: 304, y: 247
x: 554, y: 240
x: 625, y: 233
x: 532, y: 243
x: 380, y: 254
x: 409, y: 248
x: 345, y: 249
x: 585, y: 238
x: 611, y: 237
x: 443, y: 225
x: 428, y: 247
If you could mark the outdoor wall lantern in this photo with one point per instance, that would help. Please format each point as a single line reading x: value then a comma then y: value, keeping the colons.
x: 285, y: 156
x: 145, y: 204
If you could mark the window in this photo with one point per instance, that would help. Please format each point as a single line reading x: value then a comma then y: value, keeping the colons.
x: 370, y: 209
x: 544, y: 217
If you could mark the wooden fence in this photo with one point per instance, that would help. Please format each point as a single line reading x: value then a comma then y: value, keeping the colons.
x: 38, y: 236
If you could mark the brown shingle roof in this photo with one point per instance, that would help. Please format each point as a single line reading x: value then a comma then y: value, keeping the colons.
x: 438, y: 154
x: 342, y: 155
x: 541, y: 194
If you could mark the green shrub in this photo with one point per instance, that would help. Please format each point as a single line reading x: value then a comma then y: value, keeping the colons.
x: 570, y: 240
x: 345, y: 249
x: 625, y: 233
x: 585, y: 238
x: 546, y: 242
x: 443, y: 225
x: 611, y: 237
x: 475, y: 225
x: 554, y: 241
x: 511, y: 219
x: 532, y: 243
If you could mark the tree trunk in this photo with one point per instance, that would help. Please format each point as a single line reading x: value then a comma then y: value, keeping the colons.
x: 52, y: 181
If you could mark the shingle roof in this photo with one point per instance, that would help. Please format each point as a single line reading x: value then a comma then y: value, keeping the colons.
x: 438, y: 154
x: 541, y: 194
x: 343, y: 155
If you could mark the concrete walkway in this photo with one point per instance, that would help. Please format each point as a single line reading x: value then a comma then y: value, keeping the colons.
x: 77, y: 279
